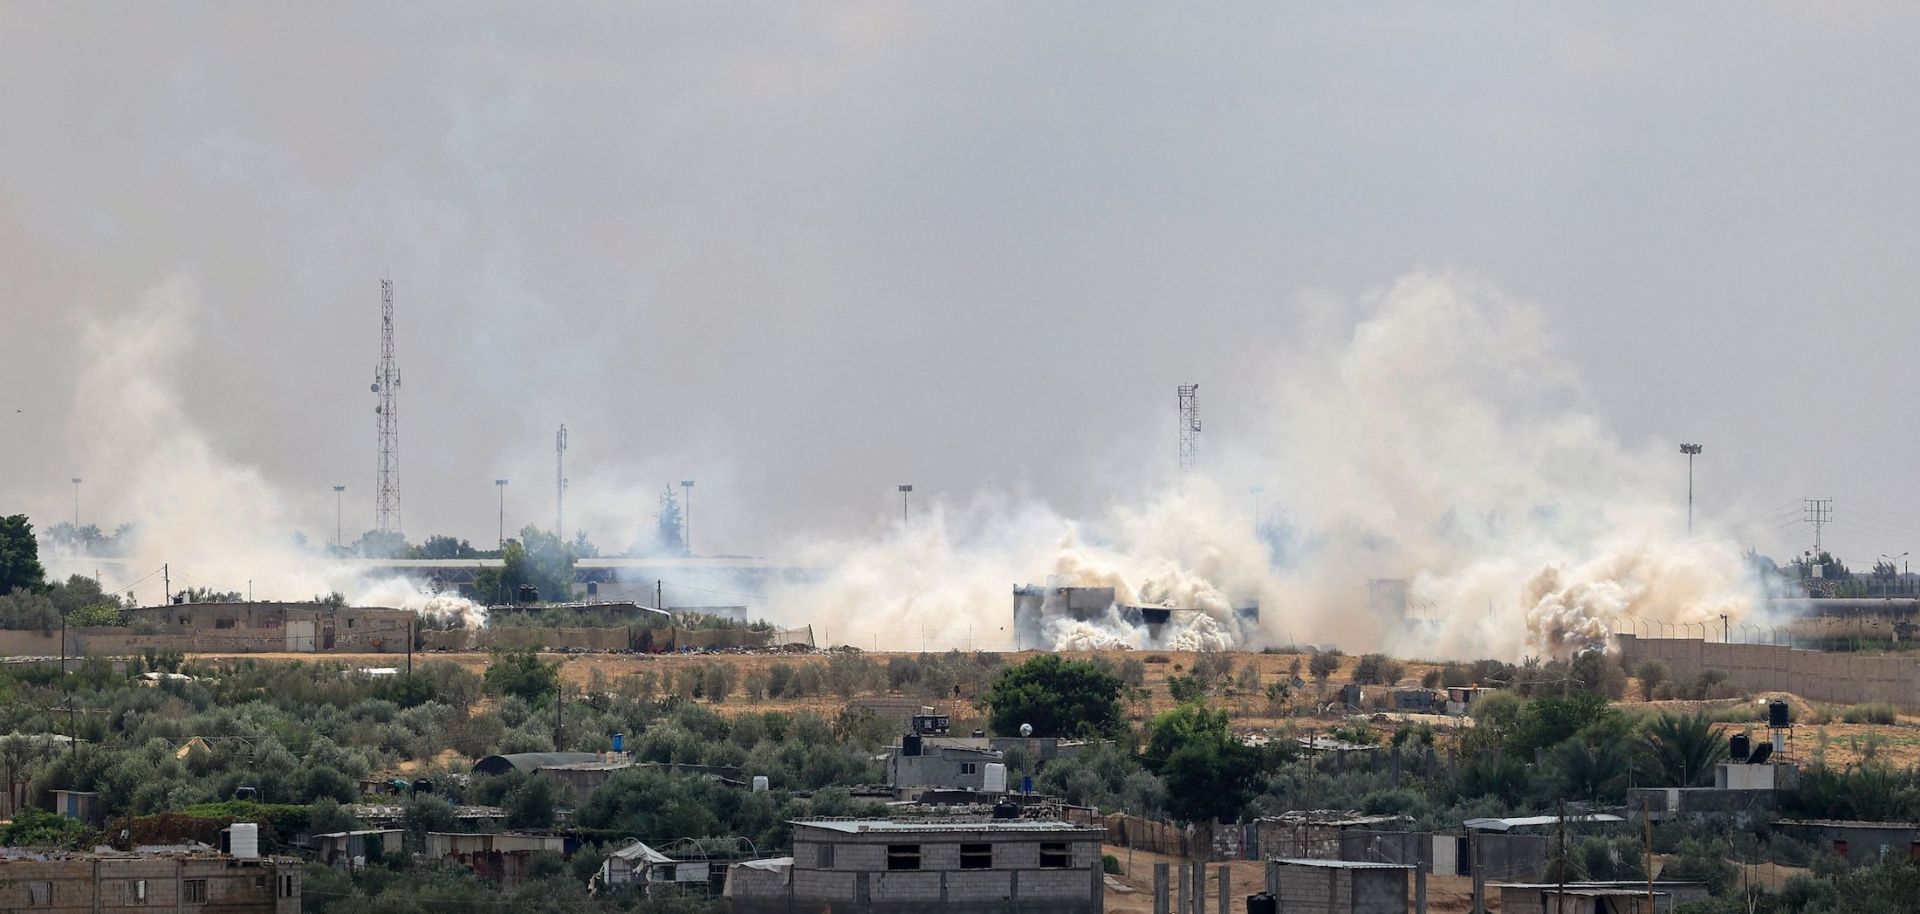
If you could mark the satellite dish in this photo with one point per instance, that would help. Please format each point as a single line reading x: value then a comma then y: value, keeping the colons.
x: 1026, y: 729
x: 375, y: 387
x: 378, y: 409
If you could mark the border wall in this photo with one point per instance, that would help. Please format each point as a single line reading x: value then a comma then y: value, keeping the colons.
x: 1835, y: 677
x: 647, y: 640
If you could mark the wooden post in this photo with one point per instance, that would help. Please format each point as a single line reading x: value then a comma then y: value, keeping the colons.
x: 1160, y: 889
x: 1226, y: 889
x: 1184, y: 899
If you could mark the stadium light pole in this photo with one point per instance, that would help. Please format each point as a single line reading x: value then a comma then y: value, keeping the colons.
x: 686, y: 516
x: 905, y: 492
x: 76, y: 506
x: 338, y: 500
x: 501, y: 485
x: 1691, y: 450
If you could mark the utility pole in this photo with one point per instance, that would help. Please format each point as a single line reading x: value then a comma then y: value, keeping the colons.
x: 905, y: 492
x: 560, y: 483
x: 76, y: 506
x: 1646, y: 817
x: 686, y: 516
x: 1819, y: 513
x: 339, y: 501
x: 1560, y: 897
x: 166, y: 586
x: 1256, y: 492
x: 1691, y: 450
x: 501, y: 484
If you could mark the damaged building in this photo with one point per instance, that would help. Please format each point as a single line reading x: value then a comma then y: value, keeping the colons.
x: 1033, y: 604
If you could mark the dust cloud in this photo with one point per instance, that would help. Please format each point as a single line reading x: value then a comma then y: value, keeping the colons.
x: 1430, y: 432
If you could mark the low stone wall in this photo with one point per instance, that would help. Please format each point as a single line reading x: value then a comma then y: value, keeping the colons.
x: 1835, y: 677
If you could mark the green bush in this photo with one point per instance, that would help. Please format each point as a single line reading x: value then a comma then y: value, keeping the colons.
x: 1876, y: 712
x: 1110, y: 864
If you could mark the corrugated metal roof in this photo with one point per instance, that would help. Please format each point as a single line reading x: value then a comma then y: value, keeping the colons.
x: 856, y: 826
x: 1343, y: 864
x: 1527, y: 821
x: 531, y: 761
x: 1847, y: 823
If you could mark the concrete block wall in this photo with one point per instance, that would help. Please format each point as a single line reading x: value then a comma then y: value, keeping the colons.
x: 85, y: 885
x: 1821, y: 676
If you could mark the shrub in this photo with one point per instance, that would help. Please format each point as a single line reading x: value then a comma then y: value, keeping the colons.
x: 1110, y: 864
x: 1876, y: 712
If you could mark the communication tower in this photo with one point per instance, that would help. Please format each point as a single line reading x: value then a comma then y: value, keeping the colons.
x: 560, y: 482
x: 1189, y: 426
x: 386, y: 386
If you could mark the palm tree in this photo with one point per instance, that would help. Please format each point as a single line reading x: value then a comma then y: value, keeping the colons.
x: 1681, y: 750
x: 1591, y: 773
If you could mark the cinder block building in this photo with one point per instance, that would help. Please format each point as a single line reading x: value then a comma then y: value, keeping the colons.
x: 503, y: 857
x: 1339, y: 886
x: 882, y: 866
x: 133, y: 883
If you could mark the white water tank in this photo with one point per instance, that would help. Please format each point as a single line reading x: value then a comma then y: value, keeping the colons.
x: 759, y: 783
x: 996, y: 778
x: 244, y: 840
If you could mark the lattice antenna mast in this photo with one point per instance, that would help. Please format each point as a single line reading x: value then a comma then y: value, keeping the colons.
x: 386, y: 386
x: 1189, y: 426
x: 560, y: 482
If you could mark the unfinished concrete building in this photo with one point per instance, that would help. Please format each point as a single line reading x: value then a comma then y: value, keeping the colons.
x: 147, y: 883
x: 878, y: 866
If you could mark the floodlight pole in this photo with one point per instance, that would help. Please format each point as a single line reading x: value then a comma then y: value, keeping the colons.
x: 1691, y: 450
x: 905, y: 491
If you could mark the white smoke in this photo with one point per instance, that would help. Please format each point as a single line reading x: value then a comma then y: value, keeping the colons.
x: 1433, y: 434
x: 216, y: 523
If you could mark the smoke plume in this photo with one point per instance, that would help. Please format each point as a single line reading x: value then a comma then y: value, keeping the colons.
x: 1430, y: 432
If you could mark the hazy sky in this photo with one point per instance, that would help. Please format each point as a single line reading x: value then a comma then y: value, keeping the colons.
x: 803, y: 253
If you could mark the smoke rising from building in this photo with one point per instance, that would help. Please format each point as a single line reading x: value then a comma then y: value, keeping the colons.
x: 1430, y: 432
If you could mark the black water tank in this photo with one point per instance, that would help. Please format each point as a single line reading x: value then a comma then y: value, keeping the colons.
x: 1262, y: 903
x: 910, y: 744
x: 1777, y: 715
x: 423, y: 785
x: 1006, y: 809
x: 1738, y: 747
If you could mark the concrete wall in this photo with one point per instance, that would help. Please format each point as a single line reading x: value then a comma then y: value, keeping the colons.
x: 1863, y: 844
x: 858, y: 879
x: 109, y: 885
x: 226, y: 628
x: 941, y: 766
x: 1844, y: 678
x: 1338, y: 890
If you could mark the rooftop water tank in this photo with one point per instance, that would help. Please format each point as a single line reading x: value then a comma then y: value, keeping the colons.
x: 244, y: 840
